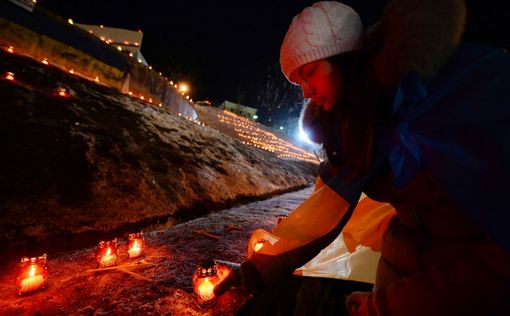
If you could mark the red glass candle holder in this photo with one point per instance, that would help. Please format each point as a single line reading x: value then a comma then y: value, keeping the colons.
x: 204, y: 281
x: 9, y: 76
x: 106, y: 253
x: 62, y: 92
x: 32, y: 274
x: 136, y: 245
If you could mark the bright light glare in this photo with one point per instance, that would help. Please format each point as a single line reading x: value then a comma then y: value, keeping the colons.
x: 183, y: 87
x: 303, y: 136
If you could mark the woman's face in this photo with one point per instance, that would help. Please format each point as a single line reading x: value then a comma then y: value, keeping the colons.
x: 320, y: 81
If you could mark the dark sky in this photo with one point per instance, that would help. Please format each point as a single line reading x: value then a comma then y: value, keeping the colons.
x: 216, y: 45
x: 219, y: 46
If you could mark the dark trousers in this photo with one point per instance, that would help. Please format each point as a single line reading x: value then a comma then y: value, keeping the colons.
x: 304, y: 296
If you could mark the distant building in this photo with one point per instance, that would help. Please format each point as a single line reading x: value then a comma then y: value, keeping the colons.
x: 28, y: 5
x: 242, y: 110
x: 203, y: 103
x: 127, y: 41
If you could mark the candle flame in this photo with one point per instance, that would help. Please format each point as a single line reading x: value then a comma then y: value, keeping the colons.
x: 62, y: 92
x: 9, y: 76
x: 32, y: 271
x: 206, y: 290
x: 258, y: 246
x: 108, y: 251
x: 10, y: 49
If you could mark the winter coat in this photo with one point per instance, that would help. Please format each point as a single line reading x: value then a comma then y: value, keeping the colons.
x: 441, y: 159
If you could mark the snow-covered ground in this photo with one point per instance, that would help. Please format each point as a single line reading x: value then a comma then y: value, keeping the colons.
x: 98, y: 163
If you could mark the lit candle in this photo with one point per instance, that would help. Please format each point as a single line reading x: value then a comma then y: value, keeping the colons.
x: 136, y: 243
x: 33, y: 282
x: 9, y: 76
x: 32, y: 274
x: 204, y: 280
x: 258, y: 245
x: 106, y: 253
x: 205, y: 290
x: 62, y: 92
x: 10, y: 49
x: 44, y: 61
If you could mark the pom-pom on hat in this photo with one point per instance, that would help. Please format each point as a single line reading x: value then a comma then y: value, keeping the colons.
x: 325, y: 29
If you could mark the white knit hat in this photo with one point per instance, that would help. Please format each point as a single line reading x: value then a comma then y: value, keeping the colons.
x: 325, y: 29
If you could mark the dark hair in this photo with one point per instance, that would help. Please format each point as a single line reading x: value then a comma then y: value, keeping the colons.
x: 349, y: 129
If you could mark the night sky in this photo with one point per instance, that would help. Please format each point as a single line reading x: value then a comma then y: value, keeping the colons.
x: 224, y: 48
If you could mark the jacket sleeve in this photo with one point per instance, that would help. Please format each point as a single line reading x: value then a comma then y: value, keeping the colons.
x: 306, y: 231
x: 415, y: 35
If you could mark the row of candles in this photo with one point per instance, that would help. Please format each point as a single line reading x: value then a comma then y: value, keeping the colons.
x: 246, y: 129
x: 255, y: 136
x: 64, y: 93
x: 182, y: 89
x: 33, y: 272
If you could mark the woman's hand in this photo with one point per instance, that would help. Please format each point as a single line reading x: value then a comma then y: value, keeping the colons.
x: 230, y: 276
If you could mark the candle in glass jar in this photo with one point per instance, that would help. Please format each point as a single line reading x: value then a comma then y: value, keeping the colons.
x: 205, y: 290
x: 136, y: 243
x: 135, y: 249
x: 108, y: 259
x: 204, y: 280
x: 106, y: 253
x: 9, y: 76
x: 33, y: 282
x: 32, y: 274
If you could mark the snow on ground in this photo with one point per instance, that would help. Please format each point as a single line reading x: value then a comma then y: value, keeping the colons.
x: 162, y: 285
x: 98, y: 164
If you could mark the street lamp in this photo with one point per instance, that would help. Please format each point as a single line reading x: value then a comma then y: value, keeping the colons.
x: 183, y: 87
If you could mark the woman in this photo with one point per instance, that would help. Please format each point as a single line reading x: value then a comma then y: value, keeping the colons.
x: 412, y: 117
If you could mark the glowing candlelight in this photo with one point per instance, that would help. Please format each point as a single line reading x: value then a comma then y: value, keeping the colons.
x: 71, y: 71
x: 32, y: 274
x: 45, y: 61
x: 106, y: 253
x: 205, y: 290
x: 62, y: 92
x: 96, y: 79
x: 9, y: 76
x: 10, y: 49
x: 136, y: 243
x: 204, y: 280
x: 258, y: 245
